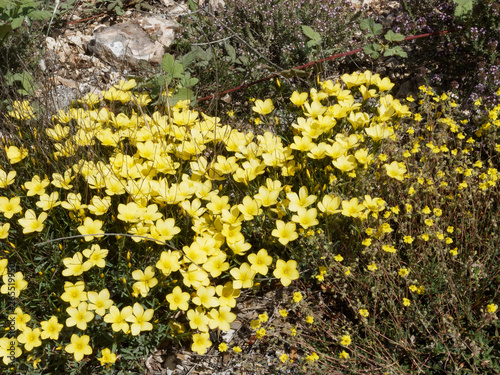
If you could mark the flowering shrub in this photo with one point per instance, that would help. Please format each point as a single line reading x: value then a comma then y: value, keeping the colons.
x: 154, y: 224
x: 445, y: 61
x: 248, y: 40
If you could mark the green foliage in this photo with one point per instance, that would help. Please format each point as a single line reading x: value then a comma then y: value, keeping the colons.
x: 315, y: 38
x: 117, y: 7
x: 14, y: 12
x: 21, y: 24
x: 375, y: 31
x: 472, y: 41
x: 173, y: 83
x: 464, y: 7
x: 249, y: 40
x: 27, y: 82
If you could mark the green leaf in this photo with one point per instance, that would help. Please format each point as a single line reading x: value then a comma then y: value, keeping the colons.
x: 313, y: 43
x: 369, y: 24
x: 372, y: 50
x: 230, y: 51
x: 310, y: 33
x: 29, y: 84
x: 17, y: 22
x: 243, y: 60
x: 183, y: 94
x: 394, y: 37
x: 187, y: 81
x: 187, y: 59
x: 40, y: 15
x: 395, y: 51
x: 464, y: 7
x: 4, y: 30
x: 171, y: 67
x: 192, y: 5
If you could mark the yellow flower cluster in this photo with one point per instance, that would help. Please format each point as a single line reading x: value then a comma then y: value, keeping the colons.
x: 193, y: 188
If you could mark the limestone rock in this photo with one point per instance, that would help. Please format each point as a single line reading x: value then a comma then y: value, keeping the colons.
x: 132, y: 42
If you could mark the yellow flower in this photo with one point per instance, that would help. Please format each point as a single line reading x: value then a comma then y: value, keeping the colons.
x: 285, y: 232
x: 178, y: 299
x: 396, y: 170
x: 74, y: 293
x: 286, y: 271
x: 283, y: 358
x: 372, y: 267
x: 260, y: 261
x: 364, y: 313
x: 242, y: 276
x: 14, y: 284
x: 145, y: 280
x: 30, y: 338
x: 198, y: 319
x: 408, y: 239
x: 312, y: 357
x: 139, y: 319
x: 4, y: 231
x: 329, y: 205
x: 352, y: 208
x: 237, y: 349
x: 36, y: 186
x: 429, y: 222
x: 96, y: 256
x: 15, y: 154
x: 343, y: 355
x: 263, y: 317
x: 406, y: 302
x: 117, y: 318
x: 51, y: 329
x: 9, y: 348
x: 263, y: 107
x: 99, y: 302
x: 22, y: 110
x: 298, y: 99
x: 75, y: 266
x: 6, y: 179
x: 345, y: 163
x: 366, y: 242
x: 260, y: 333
x: 79, y: 346
x: 345, y: 340
x: 125, y: 85
x: 403, y: 272
x: 255, y: 324
x: 79, y: 316
x: 309, y: 319
x: 31, y: 223
x: 389, y: 249
x: 492, y: 308
x: 283, y: 313
x: 107, y: 357
x: 90, y: 227
x: 48, y: 202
